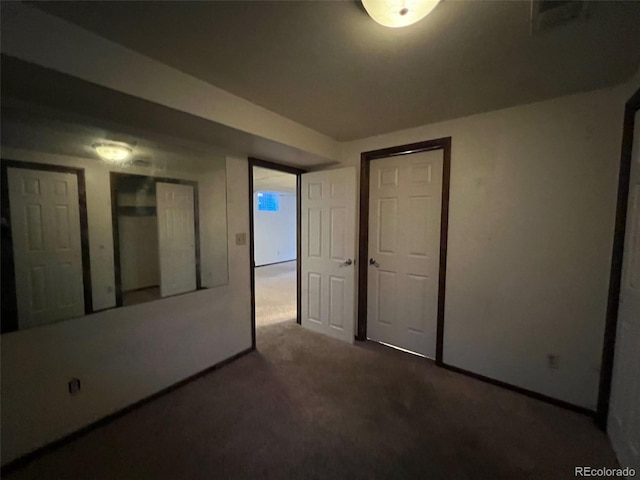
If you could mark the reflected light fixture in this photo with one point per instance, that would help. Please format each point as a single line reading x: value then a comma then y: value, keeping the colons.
x: 398, y: 13
x: 112, y: 152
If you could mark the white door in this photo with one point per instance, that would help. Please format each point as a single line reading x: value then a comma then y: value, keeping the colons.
x: 328, y: 252
x: 624, y: 418
x: 176, y: 238
x: 47, y: 251
x: 405, y: 196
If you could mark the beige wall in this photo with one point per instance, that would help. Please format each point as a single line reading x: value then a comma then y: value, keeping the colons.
x: 124, y: 355
x: 533, y: 192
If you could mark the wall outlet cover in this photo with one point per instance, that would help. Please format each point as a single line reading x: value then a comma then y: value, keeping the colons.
x: 74, y: 386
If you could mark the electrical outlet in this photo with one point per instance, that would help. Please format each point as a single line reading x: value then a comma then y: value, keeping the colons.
x: 553, y: 361
x: 74, y: 386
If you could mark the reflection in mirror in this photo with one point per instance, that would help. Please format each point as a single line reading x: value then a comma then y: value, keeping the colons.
x: 97, y: 215
x: 137, y: 255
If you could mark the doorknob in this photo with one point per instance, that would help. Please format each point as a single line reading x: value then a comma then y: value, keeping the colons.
x: 346, y: 263
x: 372, y: 261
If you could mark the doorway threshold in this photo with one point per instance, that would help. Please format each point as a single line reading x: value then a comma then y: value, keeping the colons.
x: 401, y: 349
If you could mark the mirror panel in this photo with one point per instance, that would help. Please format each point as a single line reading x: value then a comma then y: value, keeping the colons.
x: 82, y: 233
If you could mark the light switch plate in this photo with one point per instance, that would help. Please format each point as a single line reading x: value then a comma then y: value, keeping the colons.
x: 241, y: 238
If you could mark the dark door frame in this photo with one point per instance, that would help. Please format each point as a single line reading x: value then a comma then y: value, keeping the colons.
x: 113, y: 180
x: 9, y: 293
x: 443, y: 144
x: 615, y: 278
x: 256, y: 162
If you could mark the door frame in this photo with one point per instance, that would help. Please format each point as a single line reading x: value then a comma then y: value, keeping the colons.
x: 615, y: 278
x: 9, y: 290
x: 113, y: 183
x: 256, y: 162
x: 443, y: 144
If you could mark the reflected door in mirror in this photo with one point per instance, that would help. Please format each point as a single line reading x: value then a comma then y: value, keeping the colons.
x: 176, y: 238
x: 47, y: 245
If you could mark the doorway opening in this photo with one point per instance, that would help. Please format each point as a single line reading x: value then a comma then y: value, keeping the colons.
x: 274, y: 243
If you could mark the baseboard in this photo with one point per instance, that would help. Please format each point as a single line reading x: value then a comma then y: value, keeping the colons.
x: 27, y: 458
x: 275, y: 263
x: 523, y: 391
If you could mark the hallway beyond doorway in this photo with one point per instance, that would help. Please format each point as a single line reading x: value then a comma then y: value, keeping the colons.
x: 276, y: 293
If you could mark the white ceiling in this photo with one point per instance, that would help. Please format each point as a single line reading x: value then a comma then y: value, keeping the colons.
x: 267, y: 180
x: 327, y: 65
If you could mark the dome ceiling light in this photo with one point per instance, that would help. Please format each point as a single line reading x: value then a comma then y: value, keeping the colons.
x: 398, y: 13
x: 112, y: 152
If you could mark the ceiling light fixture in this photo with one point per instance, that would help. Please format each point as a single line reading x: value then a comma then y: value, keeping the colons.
x: 112, y: 152
x: 398, y: 13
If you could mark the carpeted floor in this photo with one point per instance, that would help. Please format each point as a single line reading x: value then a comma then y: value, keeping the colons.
x: 305, y: 406
x: 275, y: 294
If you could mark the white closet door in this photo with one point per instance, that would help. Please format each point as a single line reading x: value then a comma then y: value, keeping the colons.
x: 45, y: 221
x: 328, y: 252
x: 405, y: 197
x: 176, y: 238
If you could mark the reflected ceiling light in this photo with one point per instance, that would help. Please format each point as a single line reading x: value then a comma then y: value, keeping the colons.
x: 112, y: 152
x: 398, y: 13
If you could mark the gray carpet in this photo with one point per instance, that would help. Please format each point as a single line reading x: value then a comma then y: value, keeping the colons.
x: 308, y: 406
x: 276, y: 294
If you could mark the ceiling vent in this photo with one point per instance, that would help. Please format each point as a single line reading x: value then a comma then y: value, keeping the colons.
x: 549, y: 14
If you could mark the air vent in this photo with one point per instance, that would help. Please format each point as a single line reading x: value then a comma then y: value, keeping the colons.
x: 549, y: 14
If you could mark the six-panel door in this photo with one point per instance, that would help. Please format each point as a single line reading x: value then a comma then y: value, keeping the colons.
x: 328, y: 247
x: 404, y: 244
x: 176, y: 238
x: 45, y: 222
